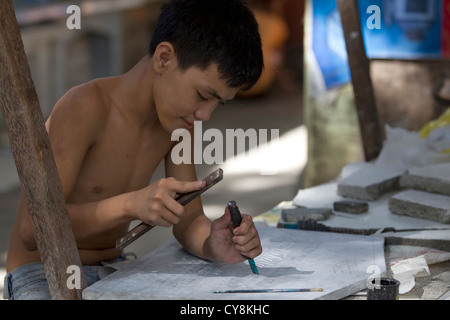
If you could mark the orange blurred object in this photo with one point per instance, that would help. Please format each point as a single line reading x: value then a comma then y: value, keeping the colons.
x: 274, y: 33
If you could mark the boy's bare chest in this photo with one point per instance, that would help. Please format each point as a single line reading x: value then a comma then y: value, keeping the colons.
x: 120, y: 161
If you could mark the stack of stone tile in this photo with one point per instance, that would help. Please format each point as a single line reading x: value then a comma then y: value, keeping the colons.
x: 428, y: 194
x: 369, y: 181
x: 426, y: 190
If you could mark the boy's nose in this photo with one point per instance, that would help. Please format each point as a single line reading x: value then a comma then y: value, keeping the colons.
x: 204, y: 113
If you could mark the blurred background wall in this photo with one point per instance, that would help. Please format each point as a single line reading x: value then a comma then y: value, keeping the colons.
x: 114, y: 35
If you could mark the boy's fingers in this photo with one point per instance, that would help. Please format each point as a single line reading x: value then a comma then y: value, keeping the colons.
x: 246, y: 244
x: 175, y: 208
x: 253, y: 253
x: 186, y: 186
x: 164, y: 202
x: 168, y: 219
x: 244, y: 228
x: 246, y: 239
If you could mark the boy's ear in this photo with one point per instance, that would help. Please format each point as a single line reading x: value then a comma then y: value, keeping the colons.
x: 163, y: 56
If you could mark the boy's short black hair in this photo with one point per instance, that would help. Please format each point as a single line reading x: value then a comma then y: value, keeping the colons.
x: 213, y: 31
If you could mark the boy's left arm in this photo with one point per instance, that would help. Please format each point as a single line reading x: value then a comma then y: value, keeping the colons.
x: 213, y: 240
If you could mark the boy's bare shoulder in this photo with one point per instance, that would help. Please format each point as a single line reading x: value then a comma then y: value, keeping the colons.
x: 87, y: 98
x: 79, y: 116
x: 84, y: 105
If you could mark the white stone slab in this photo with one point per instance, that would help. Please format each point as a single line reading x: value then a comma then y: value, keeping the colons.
x: 370, y: 182
x: 437, y: 239
x: 338, y: 263
x: 434, y: 178
x: 421, y: 204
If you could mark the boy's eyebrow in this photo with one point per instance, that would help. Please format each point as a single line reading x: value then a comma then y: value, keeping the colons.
x: 213, y: 92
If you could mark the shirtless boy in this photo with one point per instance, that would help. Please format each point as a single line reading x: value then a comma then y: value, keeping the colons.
x: 109, y: 135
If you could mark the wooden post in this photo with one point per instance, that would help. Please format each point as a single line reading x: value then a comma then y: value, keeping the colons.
x: 362, y: 84
x: 34, y: 160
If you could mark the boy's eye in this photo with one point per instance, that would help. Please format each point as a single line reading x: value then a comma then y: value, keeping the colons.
x: 202, y: 98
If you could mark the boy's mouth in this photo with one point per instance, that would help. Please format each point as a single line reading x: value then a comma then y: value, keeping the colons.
x: 188, y: 125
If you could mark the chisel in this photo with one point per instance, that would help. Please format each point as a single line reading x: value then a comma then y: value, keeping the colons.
x: 236, y: 218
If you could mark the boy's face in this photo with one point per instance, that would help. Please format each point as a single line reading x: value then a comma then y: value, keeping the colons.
x: 182, y: 97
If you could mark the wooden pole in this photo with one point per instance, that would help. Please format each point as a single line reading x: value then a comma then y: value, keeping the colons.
x: 35, y: 164
x: 362, y: 84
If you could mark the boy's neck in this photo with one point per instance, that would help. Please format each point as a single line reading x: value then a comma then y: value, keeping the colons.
x: 137, y: 90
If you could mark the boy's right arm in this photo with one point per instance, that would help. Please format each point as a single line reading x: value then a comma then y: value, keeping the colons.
x: 154, y: 205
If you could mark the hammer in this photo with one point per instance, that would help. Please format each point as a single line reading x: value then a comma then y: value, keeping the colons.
x: 183, y: 198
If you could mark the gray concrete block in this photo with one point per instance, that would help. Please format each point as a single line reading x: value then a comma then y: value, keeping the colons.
x: 422, y: 205
x: 351, y: 206
x: 297, y: 214
x: 370, y: 182
x: 434, y: 178
x: 437, y: 239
